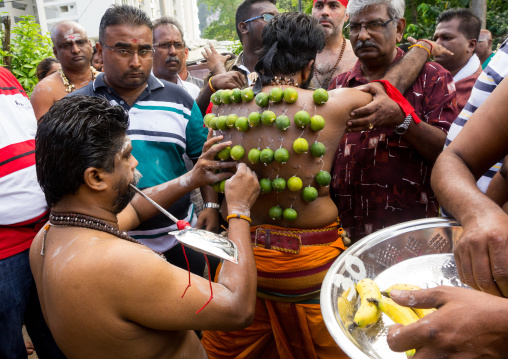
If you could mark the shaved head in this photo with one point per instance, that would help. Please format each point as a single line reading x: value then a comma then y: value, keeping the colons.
x: 65, y: 26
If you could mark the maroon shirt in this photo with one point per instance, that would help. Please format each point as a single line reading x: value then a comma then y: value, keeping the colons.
x: 378, y: 179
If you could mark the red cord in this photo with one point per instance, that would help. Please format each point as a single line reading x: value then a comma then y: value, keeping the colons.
x: 209, y: 281
x: 188, y: 270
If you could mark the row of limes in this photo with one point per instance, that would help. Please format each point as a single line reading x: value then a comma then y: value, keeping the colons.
x: 267, y: 155
x: 276, y: 212
x: 276, y: 94
x: 267, y: 118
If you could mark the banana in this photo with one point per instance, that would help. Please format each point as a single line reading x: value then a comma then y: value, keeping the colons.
x: 368, y: 313
x: 395, y: 312
x: 419, y: 312
x: 345, y: 308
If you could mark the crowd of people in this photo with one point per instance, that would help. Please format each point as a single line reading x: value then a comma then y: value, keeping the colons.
x: 93, y: 270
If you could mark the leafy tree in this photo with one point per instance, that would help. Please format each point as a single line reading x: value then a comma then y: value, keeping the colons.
x: 28, y: 48
x: 224, y: 28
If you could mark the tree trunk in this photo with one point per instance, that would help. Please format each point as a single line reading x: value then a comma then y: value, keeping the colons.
x: 479, y: 8
x: 7, y: 41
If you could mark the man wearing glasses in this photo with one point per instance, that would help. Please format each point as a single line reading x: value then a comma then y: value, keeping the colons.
x: 251, y: 18
x: 165, y: 122
x: 382, y: 169
x: 74, y: 51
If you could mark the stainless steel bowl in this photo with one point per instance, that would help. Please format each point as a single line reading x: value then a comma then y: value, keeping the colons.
x: 415, y: 252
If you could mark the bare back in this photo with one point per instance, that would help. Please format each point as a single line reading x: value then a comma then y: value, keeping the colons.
x: 46, y: 93
x: 90, y: 301
x: 322, y: 211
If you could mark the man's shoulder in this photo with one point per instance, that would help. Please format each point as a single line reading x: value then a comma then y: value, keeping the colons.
x: 170, y: 92
x: 49, y: 83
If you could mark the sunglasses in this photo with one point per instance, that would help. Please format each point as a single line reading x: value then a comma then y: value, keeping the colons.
x: 266, y: 17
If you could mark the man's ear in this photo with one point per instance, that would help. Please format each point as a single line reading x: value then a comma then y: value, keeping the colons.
x: 186, y: 52
x: 243, y: 28
x: 401, y: 25
x: 98, y: 46
x: 94, y: 179
x: 471, y: 46
x: 55, y: 52
x: 306, y: 72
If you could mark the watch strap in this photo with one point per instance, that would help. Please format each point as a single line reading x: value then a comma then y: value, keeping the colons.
x: 212, y: 205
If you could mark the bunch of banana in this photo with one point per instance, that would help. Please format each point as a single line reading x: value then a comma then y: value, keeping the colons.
x: 368, y: 313
x: 420, y: 312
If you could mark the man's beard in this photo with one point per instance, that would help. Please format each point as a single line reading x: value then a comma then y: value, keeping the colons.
x: 123, y: 199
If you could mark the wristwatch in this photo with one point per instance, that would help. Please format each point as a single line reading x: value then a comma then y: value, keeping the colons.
x: 402, y: 128
x: 212, y: 205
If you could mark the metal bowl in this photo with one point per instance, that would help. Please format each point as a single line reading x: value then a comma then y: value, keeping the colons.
x: 415, y: 252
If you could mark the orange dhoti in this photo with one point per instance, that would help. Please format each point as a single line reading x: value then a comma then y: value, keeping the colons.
x: 288, y: 321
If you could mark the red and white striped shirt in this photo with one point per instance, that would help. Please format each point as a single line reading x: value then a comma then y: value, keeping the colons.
x: 23, y: 207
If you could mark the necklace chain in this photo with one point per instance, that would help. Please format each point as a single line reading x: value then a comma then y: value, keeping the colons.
x: 331, y: 70
x: 70, y: 87
x: 84, y: 221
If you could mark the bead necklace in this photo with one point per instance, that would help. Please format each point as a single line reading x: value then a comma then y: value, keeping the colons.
x: 84, y: 221
x: 70, y: 87
x: 331, y: 70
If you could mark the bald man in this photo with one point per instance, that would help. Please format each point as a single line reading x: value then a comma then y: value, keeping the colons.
x: 74, y: 51
x: 484, y: 47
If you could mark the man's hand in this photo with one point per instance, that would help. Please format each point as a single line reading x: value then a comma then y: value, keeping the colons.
x: 229, y: 80
x: 436, y: 48
x: 207, y: 170
x: 214, y: 60
x: 209, y: 220
x: 481, y: 254
x: 467, y: 324
x: 242, y: 190
x: 381, y: 112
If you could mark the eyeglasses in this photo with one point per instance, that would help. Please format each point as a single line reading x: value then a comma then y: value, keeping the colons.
x: 266, y: 17
x: 371, y: 27
x: 126, y: 53
x: 167, y: 45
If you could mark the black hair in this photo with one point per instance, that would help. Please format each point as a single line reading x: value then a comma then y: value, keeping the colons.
x: 165, y: 20
x: 123, y: 15
x: 77, y: 133
x: 290, y: 41
x: 44, y: 66
x: 243, y: 12
x: 469, y: 24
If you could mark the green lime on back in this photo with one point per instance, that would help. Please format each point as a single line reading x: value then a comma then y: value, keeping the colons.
x: 267, y: 118
x: 253, y: 156
x: 290, y: 95
x: 254, y: 119
x: 320, y: 96
x: 266, y: 156
x: 300, y: 145
x: 247, y: 95
x: 282, y: 122
x: 261, y: 99
x: 295, y: 184
x: 221, y: 123
x: 309, y: 194
x: 276, y: 94
x: 213, y: 123
x: 225, y: 97
x: 222, y: 186
x: 207, y: 118
x: 236, y: 95
x: 215, y: 98
x: 279, y: 184
x: 317, y: 123
x: 275, y: 212
x: 289, y: 214
x: 224, y: 154
x: 323, y: 178
x: 317, y: 149
x: 281, y: 155
x: 302, y: 119
x: 230, y: 120
x: 266, y: 185
x: 237, y: 152
x: 242, y: 124
x: 216, y: 187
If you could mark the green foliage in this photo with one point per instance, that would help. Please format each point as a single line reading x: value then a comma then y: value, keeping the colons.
x: 236, y: 47
x: 28, y: 48
x: 497, y: 13
x: 225, y: 27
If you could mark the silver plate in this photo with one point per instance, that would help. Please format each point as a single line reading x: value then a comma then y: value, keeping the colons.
x: 208, y: 243
x: 415, y: 252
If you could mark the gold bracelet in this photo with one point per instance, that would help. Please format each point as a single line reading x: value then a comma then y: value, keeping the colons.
x: 240, y: 216
x: 423, y: 47
x: 210, y: 84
